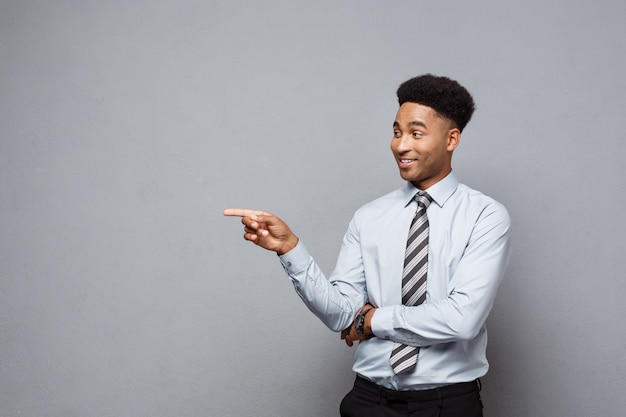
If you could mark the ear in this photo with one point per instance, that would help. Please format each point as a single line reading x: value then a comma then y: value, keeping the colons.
x: 454, y: 138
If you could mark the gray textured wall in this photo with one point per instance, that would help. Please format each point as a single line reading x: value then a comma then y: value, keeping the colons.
x: 126, y: 128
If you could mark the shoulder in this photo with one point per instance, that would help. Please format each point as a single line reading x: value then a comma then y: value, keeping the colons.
x: 481, y: 205
x: 383, y: 204
x: 380, y: 211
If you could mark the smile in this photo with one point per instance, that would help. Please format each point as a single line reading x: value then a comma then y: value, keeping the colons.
x: 406, y: 163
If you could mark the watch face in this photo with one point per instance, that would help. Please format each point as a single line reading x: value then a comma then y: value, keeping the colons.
x: 360, y: 321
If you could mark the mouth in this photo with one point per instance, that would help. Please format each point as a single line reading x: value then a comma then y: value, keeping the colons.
x: 405, y: 163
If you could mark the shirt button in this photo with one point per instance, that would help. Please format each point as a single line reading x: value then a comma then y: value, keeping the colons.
x: 289, y: 264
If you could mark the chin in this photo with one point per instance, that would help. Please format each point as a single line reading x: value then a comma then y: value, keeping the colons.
x: 408, y: 177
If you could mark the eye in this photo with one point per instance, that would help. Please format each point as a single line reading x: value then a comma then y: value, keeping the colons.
x: 397, y: 134
x: 417, y: 134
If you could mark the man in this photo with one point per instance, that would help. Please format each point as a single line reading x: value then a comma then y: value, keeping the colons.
x: 417, y: 305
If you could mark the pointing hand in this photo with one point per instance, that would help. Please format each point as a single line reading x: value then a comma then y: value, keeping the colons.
x: 265, y: 230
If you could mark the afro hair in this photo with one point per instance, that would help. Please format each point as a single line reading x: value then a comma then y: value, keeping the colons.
x: 446, y: 96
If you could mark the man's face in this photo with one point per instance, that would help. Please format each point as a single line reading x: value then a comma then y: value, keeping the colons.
x: 422, y: 144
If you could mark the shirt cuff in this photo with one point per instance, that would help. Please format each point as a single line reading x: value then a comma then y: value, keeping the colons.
x: 380, y: 323
x: 296, y: 260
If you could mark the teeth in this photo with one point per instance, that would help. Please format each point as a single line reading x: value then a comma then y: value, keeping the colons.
x: 406, y: 160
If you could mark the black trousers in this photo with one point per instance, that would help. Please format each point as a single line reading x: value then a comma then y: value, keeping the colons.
x: 370, y: 400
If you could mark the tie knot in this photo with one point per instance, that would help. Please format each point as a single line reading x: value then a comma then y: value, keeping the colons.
x: 423, y: 199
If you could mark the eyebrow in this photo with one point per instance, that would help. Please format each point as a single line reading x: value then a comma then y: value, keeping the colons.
x: 413, y: 123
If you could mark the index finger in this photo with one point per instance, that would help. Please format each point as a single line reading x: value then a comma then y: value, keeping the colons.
x: 241, y: 212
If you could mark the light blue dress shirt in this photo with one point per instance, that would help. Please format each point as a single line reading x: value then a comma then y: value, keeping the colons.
x: 467, y: 256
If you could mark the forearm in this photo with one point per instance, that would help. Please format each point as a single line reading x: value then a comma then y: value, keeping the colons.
x: 334, y: 303
x: 439, y: 322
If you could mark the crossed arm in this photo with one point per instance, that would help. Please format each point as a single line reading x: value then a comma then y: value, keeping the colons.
x: 266, y: 230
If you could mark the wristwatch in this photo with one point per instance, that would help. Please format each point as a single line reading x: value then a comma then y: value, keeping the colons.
x: 359, y: 322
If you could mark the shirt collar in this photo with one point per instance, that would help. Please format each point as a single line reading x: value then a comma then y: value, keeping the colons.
x: 440, y: 192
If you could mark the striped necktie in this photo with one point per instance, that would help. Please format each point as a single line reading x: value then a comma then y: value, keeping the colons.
x: 404, y: 357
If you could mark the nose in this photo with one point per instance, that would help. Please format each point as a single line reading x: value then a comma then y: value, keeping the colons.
x: 401, y: 144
